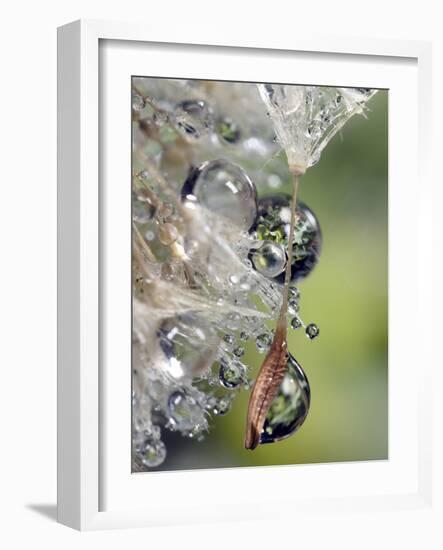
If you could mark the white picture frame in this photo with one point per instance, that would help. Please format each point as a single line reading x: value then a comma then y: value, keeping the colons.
x: 97, y: 492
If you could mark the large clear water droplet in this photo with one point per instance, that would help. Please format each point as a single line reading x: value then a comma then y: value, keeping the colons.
x: 188, y: 345
x: 224, y: 188
x: 291, y: 406
x: 193, y: 118
x: 273, y: 224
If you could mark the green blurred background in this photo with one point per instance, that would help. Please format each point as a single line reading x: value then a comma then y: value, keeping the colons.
x: 346, y: 295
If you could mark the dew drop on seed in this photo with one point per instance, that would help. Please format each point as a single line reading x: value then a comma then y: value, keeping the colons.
x: 290, y: 408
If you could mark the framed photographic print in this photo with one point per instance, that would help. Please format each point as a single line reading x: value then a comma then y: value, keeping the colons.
x: 235, y: 276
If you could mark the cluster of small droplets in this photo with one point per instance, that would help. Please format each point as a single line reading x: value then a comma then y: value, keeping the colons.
x: 306, y: 118
x: 206, y: 247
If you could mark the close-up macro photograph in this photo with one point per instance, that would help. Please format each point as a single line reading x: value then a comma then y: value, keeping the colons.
x: 259, y: 274
x: 223, y: 259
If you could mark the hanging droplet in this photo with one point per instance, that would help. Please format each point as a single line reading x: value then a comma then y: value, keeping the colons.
x: 152, y: 452
x: 295, y: 323
x: 263, y: 342
x: 294, y: 292
x: 312, y: 331
x: 273, y: 224
x: 223, y: 188
x: 187, y: 344
x: 142, y: 210
x: 228, y: 130
x: 269, y: 259
x: 185, y: 413
x: 290, y: 408
x: 231, y: 373
x: 293, y: 305
x: 244, y: 335
x: 193, y: 118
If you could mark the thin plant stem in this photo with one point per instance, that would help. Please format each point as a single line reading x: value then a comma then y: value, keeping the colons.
x: 282, y: 321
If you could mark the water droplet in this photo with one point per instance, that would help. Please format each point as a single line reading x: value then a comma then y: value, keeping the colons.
x: 244, y: 336
x: 222, y: 406
x: 295, y: 323
x: 228, y: 339
x: 312, y: 331
x: 188, y: 346
x: 193, y: 118
x: 269, y: 259
x: 263, y: 342
x: 233, y: 320
x: 186, y: 413
x: 294, y: 292
x: 231, y: 374
x: 293, y: 305
x: 291, y: 406
x: 152, y: 452
x: 239, y: 352
x: 224, y: 188
x: 273, y: 223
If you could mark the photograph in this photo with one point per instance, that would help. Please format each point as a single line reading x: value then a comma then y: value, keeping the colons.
x: 259, y: 274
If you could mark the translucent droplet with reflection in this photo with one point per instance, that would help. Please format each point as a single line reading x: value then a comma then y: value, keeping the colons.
x: 269, y: 259
x: 273, y: 224
x: 193, y: 118
x: 295, y: 323
x: 152, y: 452
x: 231, y: 373
x: 224, y: 188
x: 312, y: 331
x: 187, y: 344
x: 263, y: 342
x: 291, y: 406
x: 221, y: 405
